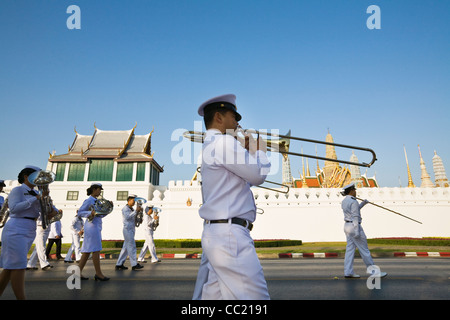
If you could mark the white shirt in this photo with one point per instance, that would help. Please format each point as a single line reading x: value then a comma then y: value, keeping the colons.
x: 129, y: 217
x: 55, y: 230
x: 351, y: 209
x: 228, y: 171
x: 77, y: 224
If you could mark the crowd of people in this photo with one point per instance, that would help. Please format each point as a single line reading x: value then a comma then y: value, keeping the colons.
x: 24, y: 226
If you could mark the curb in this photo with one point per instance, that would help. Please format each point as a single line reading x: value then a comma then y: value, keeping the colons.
x: 181, y: 256
x: 308, y: 255
x: 421, y: 254
x: 294, y: 255
x: 322, y: 255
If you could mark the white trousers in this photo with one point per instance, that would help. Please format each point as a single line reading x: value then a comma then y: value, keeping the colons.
x: 353, y: 243
x: 149, y: 245
x: 230, y: 268
x: 39, y: 248
x: 128, y: 248
x: 74, y: 247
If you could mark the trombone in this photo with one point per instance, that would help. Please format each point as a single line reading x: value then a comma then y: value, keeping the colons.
x: 281, y: 145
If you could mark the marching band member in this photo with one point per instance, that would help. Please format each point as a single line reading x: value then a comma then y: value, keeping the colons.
x: 39, y: 248
x: 19, y: 233
x: 129, y: 229
x: 77, y: 229
x: 92, y: 233
x: 228, y: 171
x: 149, y: 244
x: 356, y: 238
x: 54, y: 236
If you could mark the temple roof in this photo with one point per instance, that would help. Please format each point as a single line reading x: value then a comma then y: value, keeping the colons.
x: 120, y: 145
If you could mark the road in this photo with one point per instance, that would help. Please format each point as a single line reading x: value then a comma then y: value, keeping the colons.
x: 288, y: 279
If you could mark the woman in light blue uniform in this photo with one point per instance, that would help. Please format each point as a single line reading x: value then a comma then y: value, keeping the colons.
x: 92, y: 242
x: 19, y: 233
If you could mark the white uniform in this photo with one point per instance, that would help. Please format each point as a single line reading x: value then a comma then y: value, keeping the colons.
x: 129, y: 244
x: 92, y: 230
x: 149, y: 244
x: 233, y: 268
x: 19, y: 231
x: 356, y: 238
x: 75, y: 228
x: 39, y: 248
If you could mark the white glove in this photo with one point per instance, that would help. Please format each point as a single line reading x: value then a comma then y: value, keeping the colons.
x: 363, y: 203
x: 356, y: 229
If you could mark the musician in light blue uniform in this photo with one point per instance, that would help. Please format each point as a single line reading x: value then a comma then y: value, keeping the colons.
x: 356, y: 238
x: 92, y: 232
x: 129, y: 230
x: 19, y: 233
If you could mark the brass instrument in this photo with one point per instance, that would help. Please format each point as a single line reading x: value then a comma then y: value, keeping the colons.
x: 281, y: 145
x: 140, y: 212
x: 4, y: 213
x: 42, y: 179
x: 101, y: 208
x: 56, y: 217
x: 156, y: 212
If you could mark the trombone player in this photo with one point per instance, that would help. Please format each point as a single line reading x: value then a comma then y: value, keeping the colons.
x: 232, y: 269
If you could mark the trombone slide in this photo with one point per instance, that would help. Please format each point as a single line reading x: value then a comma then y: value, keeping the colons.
x: 376, y: 205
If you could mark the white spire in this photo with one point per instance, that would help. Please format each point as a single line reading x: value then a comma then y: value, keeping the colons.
x: 426, y: 181
x: 355, y: 171
x: 439, y: 172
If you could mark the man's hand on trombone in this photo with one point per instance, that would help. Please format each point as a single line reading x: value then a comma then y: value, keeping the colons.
x: 249, y: 142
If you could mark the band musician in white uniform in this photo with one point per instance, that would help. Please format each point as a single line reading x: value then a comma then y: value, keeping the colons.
x: 39, y: 248
x: 129, y: 230
x: 19, y: 233
x: 233, y: 270
x: 76, y: 229
x: 92, y: 233
x: 149, y: 244
x: 356, y: 238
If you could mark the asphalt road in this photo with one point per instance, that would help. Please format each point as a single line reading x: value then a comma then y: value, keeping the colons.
x: 288, y: 279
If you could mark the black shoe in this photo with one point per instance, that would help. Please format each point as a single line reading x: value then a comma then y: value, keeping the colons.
x: 84, y: 278
x: 65, y: 261
x: 101, y: 279
x: 32, y: 268
x: 47, y: 267
x: 137, y: 267
x: 121, y: 267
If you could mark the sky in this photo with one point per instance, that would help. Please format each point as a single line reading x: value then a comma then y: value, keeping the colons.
x: 311, y: 67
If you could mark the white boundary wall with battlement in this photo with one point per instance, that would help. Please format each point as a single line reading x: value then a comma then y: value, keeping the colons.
x: 304, y: 214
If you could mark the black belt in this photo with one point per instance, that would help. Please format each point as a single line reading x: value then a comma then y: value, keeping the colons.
x: 29, y: 218
x: 239, y: 221
x: 351, y: 222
